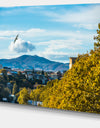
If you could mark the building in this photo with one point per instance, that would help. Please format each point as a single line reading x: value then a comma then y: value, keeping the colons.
x: 16, y: 69
x: 41, y: 77
x: 29, y: 76
x: 1, y: 74
x: 9, y: 73
x: 34, y: 103
x: 53, y: 76
x: 35, y: 86
x: 23, y: 73
x: 72, y: 61
x: 4, y: 99
x: 14, y: 72
x: 28, y: 71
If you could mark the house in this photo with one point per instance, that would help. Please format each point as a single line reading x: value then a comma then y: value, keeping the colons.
x: 30, y: 102
x: 4, y: 99
x: 9, y: 73
x: 72, y: 61
x: 28, y: 73
x: 41, y: 77
x: 23, y: 73
x: 34, y: 103
x: 37, y: 76
x: 1, y: 74
x: 16, y: 69
x: 35, y: 86
x: 30, y: 76
x: 53, y: 76
x: 13, y: 73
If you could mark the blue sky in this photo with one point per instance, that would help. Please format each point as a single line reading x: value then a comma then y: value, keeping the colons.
x: 54, y: 32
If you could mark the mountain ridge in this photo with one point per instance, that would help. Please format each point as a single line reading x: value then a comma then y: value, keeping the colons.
x: 29, y: 61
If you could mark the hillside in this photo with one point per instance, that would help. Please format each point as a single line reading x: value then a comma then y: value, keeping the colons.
x: 28, y: 62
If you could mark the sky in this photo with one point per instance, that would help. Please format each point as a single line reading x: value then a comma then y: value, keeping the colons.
x: 55, y: 32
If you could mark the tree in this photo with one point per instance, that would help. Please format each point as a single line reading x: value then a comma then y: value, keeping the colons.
x: 33, y: 71
x: 19, y: 73
x: 4, y: 74
x: 15, y: 89
x: 4, y: 92
x: 1, y: 91
x: 79, y: 89
x: 42, y: 72
x: 35, y: 94
x: 97, y: 38
x: 23, y: 96
x: 59, y: 74
x: 4, y: 71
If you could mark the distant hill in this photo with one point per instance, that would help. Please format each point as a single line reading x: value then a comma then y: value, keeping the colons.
x: 28, y: 62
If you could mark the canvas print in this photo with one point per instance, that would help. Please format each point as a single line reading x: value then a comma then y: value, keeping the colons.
x: 50, y: 56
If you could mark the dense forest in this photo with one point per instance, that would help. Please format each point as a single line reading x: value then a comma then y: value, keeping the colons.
x: 79, y: 88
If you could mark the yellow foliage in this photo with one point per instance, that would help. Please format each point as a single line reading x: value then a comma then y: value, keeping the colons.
x: 79, y: 89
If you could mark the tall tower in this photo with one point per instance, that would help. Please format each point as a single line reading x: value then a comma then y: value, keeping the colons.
x: 72, y: 61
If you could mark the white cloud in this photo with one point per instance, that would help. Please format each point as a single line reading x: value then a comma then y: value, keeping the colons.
x: 21, y: 46
x: 60, y: 44
x: 31, y: 32
x: 3, y: 37
x: 60, y: 50
x: 87, y: 26
x: 88, y: 16
x: 43, y: 33
x: 58, y: 56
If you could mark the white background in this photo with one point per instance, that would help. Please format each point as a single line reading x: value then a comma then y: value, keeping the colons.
x: 20, y: 116
x: 43, y: 2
